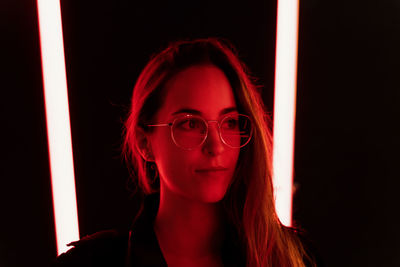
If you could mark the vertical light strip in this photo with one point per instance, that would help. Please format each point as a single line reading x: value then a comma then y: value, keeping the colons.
x: 58, y: 123
x: 285, y: 106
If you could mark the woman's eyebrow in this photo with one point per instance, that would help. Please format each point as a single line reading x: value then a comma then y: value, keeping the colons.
x: 197, y: 112
x: 228, y: 110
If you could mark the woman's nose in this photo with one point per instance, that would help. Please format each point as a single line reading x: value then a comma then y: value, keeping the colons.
x: 213, y: 144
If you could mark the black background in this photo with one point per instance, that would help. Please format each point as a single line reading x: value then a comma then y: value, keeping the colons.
x: 347, y: 130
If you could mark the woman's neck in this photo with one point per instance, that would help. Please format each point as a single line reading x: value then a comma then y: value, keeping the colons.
x: 188, y: 228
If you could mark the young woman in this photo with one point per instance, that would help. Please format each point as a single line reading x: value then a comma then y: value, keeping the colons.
x: 198, y: 142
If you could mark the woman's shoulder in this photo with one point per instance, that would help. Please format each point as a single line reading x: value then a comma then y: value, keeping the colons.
x: 104, y: 248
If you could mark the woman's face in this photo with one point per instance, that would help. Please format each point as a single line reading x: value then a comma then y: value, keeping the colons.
x: 204, y: 173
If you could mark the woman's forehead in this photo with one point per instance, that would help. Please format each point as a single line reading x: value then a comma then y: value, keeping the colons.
x: 204, y: 88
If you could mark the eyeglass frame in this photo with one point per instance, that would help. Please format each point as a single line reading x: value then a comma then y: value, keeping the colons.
x: 207, y: 122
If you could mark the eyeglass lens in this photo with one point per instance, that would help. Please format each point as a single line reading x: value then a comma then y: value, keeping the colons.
x: 190, y: 132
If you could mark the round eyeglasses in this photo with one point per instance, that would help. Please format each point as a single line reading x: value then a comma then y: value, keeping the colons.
x: 190, y: 131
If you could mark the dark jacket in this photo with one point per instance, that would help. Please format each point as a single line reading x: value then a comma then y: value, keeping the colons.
x: 136, y: 247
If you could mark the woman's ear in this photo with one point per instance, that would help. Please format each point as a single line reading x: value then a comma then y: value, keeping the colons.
x: 143, y: 145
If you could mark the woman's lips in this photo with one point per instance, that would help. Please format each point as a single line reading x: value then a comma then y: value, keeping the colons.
x: 211, y: 169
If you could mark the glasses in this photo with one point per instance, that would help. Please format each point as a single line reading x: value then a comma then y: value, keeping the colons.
x: 190, y: 131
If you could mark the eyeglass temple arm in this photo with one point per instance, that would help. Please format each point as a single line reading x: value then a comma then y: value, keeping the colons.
x: 161, y: 124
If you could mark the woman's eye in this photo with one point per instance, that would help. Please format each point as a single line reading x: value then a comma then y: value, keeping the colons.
x: 231, y: 124
x: 192, y: 124
x: 189, y: 124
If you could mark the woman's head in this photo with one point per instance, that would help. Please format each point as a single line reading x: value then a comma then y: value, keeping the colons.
x: 196, y: 94
x: 206, y: 76
x: 205, y: 73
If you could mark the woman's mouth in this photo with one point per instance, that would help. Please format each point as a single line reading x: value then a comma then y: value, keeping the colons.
x: 211, y: 169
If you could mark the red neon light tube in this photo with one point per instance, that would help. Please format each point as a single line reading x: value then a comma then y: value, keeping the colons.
x: 58, y: 123
x: 285, y: 106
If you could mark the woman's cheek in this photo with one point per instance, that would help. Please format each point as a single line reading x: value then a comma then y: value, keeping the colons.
x: 173, y: 165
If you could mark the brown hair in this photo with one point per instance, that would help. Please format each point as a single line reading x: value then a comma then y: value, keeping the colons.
x: 249, y: 203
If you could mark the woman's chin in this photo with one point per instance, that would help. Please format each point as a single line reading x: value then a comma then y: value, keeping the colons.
x: 202, y: 192
x: 210, y: 196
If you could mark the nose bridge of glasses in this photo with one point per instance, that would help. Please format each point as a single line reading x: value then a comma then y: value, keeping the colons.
x: 213, y: 134
x: 216, y: 123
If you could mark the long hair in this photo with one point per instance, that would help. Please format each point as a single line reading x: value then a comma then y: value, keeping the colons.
x: 249, y: 202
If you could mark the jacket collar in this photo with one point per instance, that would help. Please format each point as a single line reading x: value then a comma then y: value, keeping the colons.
x: 144, y: 249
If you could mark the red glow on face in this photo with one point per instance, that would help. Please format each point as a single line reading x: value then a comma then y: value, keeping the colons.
x: 204, y: 173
